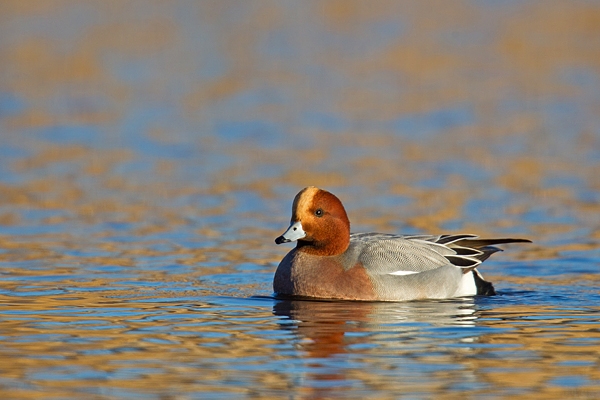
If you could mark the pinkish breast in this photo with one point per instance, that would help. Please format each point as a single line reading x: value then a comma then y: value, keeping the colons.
x: 301, y: 274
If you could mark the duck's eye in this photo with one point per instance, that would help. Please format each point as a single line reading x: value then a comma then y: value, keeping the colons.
x: 319, y: 212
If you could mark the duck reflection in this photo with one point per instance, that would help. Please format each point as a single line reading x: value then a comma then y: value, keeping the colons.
x: 331, y: 329
x: 323, y: 325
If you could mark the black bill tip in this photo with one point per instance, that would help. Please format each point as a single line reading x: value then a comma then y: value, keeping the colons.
x: 281, y: 239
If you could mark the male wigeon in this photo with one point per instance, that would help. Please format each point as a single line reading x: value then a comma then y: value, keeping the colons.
x: 329, y: 262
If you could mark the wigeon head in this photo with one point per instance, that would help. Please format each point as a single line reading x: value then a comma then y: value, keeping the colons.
x: 319, y: 223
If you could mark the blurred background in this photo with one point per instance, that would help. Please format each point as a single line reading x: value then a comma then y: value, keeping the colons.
x: 156, y: 146
x: 419, y: 115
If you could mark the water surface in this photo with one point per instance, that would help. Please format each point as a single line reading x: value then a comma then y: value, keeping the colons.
x: 150, y: 152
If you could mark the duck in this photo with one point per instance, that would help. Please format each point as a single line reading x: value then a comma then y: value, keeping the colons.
x: 330, y: 262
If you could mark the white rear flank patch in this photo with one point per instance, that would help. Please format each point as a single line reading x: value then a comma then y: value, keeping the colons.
x: 402, y: 273
x: 467, y: 285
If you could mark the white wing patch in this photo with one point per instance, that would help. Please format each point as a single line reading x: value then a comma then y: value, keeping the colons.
x: 402, y: 273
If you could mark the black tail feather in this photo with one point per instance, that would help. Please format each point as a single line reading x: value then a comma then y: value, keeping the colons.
x: 487, y: 252
x: 478, y: 243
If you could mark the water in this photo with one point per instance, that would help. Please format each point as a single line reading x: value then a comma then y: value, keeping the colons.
x: 150, y: 152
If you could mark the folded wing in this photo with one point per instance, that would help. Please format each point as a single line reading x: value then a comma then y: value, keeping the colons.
x: 405, y: 255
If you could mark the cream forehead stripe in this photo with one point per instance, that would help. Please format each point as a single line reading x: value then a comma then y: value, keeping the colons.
x: 303, y: 200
